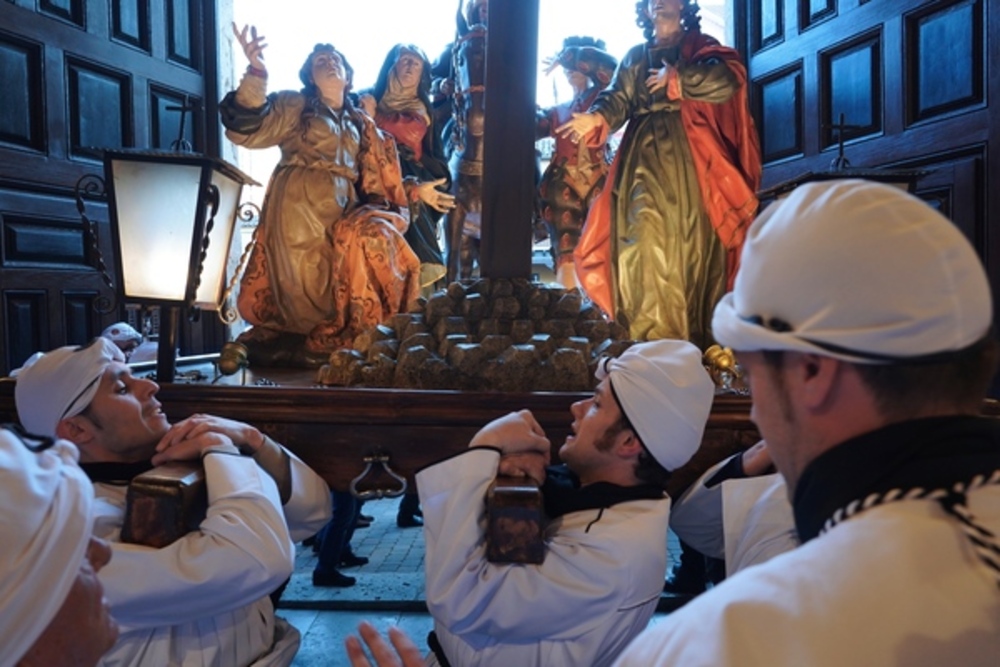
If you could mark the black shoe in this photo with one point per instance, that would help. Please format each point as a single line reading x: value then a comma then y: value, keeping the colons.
x: 409, y: 521
x: 332, y: 579
x: 309, y: 541
x: 366, y: 517
x: 361, y: 523
x: 352, y: 560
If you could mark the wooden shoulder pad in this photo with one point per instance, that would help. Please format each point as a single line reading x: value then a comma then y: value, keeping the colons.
x: 515, y: 521
x: 165, y: 504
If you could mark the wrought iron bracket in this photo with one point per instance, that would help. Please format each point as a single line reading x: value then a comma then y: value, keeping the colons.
x: 93, y: 186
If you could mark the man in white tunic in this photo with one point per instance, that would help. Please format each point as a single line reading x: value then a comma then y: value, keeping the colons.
x: 863, y: 318
x: 202, y: 600
x: 605, y: 557
x: 52, y: 608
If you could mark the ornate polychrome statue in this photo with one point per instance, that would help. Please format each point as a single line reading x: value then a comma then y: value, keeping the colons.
x: 330, y: 259
x: 576, y: 172
x: 663, y: 240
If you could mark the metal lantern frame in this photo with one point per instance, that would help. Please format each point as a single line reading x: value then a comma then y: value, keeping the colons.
x: 172, y: 212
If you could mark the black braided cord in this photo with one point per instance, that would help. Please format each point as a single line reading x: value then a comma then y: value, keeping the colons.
x: 953, y: 501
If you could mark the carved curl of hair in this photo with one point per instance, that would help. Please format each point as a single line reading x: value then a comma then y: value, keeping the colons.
x: 690, y: 20
x: 584, y: 40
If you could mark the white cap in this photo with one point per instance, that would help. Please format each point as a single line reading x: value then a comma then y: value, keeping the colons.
x: 122, y: 332
x: 61, y: 383
x: 666, y: 393
x: 859, y: 271
x: 45, y: 521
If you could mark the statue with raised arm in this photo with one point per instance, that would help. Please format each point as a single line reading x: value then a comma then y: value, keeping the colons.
x: 330, y: 259
x: 662, y: 241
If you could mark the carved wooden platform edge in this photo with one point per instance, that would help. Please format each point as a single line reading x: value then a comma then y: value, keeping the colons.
x: 333, y: 429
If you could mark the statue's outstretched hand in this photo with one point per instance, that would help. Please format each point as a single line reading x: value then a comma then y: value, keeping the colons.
x: 577, y: 129
x: 550, y: 63
x: 437, y: 200
x: 253, y: 45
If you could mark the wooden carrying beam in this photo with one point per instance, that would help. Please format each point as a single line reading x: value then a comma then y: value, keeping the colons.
x: 164, y: 504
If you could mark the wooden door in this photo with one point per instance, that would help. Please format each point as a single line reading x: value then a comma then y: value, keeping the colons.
x: 78, y: 76
x: 916, y: 78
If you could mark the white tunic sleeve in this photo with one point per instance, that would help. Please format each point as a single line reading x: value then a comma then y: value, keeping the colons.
x: 758, y: 520
x: 696, y: 517
x: 746, y: 520
x: 309, y: 507
x: 241, y: 552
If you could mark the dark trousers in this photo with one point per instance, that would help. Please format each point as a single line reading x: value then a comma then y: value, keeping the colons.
x: 335, y: 537
x: 409, y: 505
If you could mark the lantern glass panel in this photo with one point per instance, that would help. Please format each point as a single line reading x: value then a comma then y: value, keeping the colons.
x: 157, y: 204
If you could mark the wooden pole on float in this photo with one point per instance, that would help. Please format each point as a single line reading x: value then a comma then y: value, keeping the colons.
x: 509, y: 139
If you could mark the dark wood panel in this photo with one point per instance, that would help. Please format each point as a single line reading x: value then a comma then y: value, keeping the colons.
x: 940, y: 96
x: 898, y: 139
x: 60, y: 37
x: 42, y: 241
x: 767, y: 20
x: 945, y: 59
x: 779, y: 110
x: 851, y: 84
x: 79, y: 316
x: 28, y: 309
x: 957, y: 187
x: 22, y: 115
x: 967, y: 131
x: 812, y: 12
x: 165, y: 121
x: 130, y: 23
x: 113, y: 57
x: 67, y: 10
x: 54, y: 169
x: 100, y: 109
x: 182, y: 32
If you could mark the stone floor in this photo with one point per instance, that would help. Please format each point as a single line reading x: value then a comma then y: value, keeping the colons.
x: 392, y: 579
x: 390, y: 591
